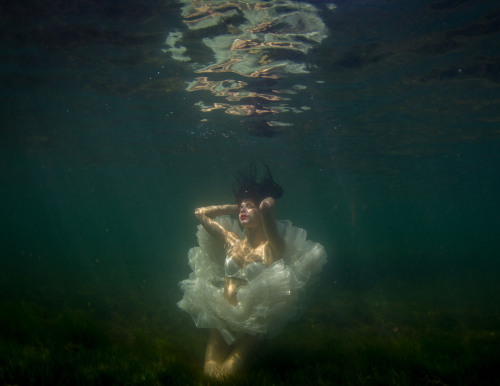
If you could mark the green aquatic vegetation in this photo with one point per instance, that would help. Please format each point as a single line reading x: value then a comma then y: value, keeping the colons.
x: 347, y: 336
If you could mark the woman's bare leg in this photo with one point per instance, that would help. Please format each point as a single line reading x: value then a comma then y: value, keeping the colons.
x: 241, y: 355
x: 215, y: 354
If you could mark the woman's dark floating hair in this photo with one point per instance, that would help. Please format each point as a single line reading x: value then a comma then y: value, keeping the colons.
x: 248, y: 186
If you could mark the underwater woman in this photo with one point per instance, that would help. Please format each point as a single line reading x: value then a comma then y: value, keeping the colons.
x: 246, y: 285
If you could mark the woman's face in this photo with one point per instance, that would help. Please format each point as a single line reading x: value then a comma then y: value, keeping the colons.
x: 249, y: 213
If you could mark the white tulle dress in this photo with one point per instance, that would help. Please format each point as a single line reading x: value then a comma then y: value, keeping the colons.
x: 271, y: 297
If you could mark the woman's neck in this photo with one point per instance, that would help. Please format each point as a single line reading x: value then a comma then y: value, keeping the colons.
x: 255, y: 236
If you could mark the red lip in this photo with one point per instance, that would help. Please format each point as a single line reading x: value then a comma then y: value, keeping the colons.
x: 243, y: 217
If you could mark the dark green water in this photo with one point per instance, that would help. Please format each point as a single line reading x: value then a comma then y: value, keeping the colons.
x: 394, y: 169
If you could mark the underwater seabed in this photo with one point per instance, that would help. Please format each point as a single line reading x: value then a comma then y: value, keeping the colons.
x: 434, y: 331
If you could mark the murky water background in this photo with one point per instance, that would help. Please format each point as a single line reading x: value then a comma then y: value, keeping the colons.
x: 394, y: 169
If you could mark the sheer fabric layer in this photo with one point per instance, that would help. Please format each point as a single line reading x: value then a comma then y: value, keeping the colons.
x: 267, y: 302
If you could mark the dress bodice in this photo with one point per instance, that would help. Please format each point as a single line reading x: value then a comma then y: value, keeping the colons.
x: 248, y: 272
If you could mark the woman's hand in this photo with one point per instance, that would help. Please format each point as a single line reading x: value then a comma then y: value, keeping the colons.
x: 267, y: 204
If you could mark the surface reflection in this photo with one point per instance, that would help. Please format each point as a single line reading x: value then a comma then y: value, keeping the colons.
x: 254, y: 44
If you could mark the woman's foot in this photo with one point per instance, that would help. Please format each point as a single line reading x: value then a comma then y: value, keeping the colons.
x: 232, y: 366
x: 213, y: 370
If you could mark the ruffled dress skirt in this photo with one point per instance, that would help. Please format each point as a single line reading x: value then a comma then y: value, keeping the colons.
x: 266, y: 302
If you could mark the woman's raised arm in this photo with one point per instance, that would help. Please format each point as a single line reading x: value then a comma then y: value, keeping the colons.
x: 206, y: 215
x: 273, y: 235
